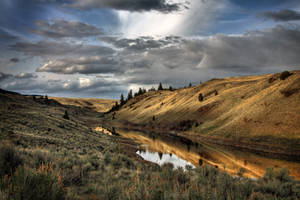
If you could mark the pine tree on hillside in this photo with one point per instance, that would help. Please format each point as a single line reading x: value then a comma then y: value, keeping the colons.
x: 140, y: 92
x: 122, y: 101
x: 200, y: 97
x: 160, y: 87
x: 130, y: 96
x: 66, y: 115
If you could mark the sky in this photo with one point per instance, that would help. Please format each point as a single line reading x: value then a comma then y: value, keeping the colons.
x: 102, y: 48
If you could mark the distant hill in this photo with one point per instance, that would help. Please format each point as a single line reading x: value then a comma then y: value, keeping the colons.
x: 251, y: 109
x: 98, y: 105
x: 7, y: 92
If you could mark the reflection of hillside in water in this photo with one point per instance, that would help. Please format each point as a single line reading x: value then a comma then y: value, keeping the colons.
x: 202, y: 153
x: 162, y: 158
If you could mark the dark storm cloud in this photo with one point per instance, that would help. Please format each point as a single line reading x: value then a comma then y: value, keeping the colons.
x: 14, y: 60
x: 5, y: 77
x: 130, y: 5
x: 272, y: 48
x: 25, y: 76
x: 148, y: 60
x: 269, y: 50
x: 62, y: 29
x: 85, y: 86
x: 96, y: 65
x: 128, y: 59
x: 48, y: 49
x: 282, y: 15
x: 6, y: 38
x: 134, y: 44
x: 141, y: 43
x: 83, y: 65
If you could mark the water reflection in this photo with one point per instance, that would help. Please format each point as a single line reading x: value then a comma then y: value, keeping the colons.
x: 179, y: 151
x: 162, y: 158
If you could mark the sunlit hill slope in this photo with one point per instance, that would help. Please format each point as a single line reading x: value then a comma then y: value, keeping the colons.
x: 263, y: 109
x: 99, y: 105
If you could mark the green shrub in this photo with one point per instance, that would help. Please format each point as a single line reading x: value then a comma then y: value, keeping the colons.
x: 257, y: 196
x: 94, y: 160
x: 283, y: 175
x: 107, y: 158
x: 27, y: 184
x: 66, y: 115
x: 284, y: 75
x: 9, y: 160
x: 71, y: 177
x: 41, y: 158
x: 200, y: 97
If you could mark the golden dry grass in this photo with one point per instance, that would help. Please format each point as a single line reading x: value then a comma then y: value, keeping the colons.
x: 245, y: 107
x: 98, y: 105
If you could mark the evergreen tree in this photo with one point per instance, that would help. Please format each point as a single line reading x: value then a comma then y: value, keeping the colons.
x: 190, y: 85
x: 130, y: 96
x: 200, y: 97
x: 122, y: 101
x: 160, y: 87
x: 170, y: 88
x: 116, y: 107
x: 140, y: 92
x: 66, y: 115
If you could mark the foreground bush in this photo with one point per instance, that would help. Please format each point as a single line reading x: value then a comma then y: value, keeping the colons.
x: 9, y: 160
x: 26, y: 184
x: 113, y: 175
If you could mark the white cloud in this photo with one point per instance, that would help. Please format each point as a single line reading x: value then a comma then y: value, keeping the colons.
x: 84, y: 82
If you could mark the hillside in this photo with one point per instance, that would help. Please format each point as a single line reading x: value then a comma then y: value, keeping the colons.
x: 39, y: 122
x: 35, y: 133
x: 250, y: 110
x: 44, y: 155
x: 98, y: 105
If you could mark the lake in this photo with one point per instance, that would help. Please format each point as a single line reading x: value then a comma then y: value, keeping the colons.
x: 180, y: 152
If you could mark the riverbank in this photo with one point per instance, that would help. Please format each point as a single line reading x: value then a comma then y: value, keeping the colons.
x: 199, y: 152
x: 290, y: 151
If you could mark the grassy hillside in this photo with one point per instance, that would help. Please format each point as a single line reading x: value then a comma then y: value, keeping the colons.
x: 98, y: 105
x: 44, y: 155
x: 35, y: 128
x: 262, y: 109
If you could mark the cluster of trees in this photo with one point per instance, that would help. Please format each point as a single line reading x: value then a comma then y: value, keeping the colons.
x: 123, y: 101
x: 201, y: 96
x: 130, y: 96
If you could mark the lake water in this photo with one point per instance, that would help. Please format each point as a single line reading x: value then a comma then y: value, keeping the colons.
x: 180, y: 152
x: 163, y: 158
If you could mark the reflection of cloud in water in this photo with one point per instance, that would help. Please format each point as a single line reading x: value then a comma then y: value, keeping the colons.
x: 162, y: 158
